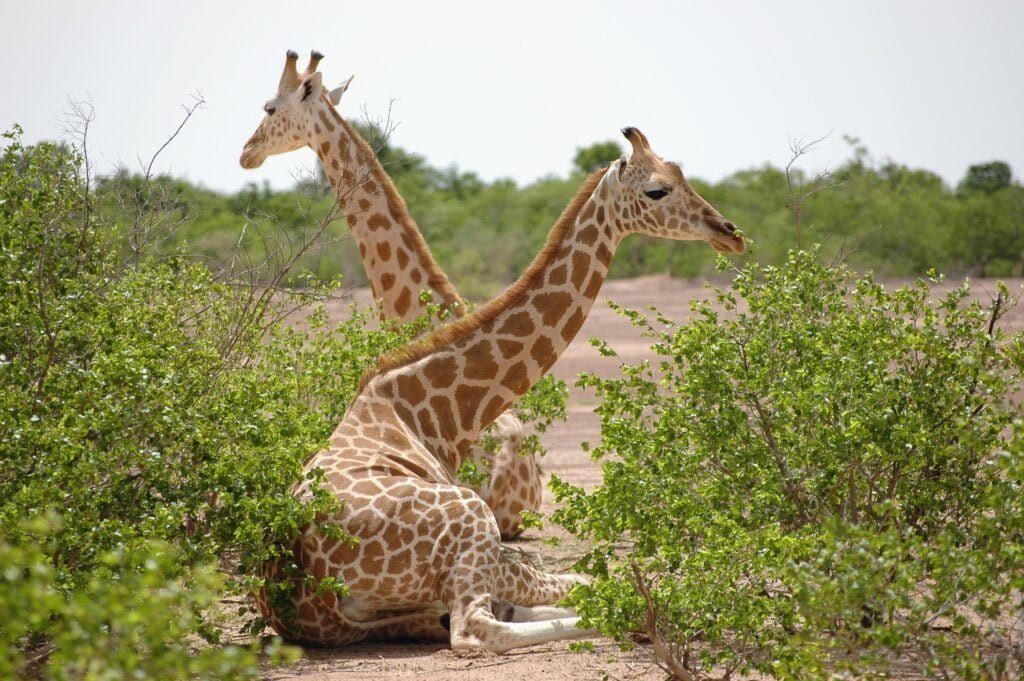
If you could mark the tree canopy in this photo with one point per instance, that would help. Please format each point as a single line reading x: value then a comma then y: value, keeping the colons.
x: 887, y: 217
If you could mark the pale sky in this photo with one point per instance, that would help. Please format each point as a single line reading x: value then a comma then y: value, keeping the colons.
x: 511, y: 89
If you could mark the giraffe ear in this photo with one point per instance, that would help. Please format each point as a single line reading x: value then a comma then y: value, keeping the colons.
x: 312, y: 86
x: 336, y: 93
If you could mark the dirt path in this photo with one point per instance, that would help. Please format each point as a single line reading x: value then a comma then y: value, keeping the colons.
x: 566, y: 460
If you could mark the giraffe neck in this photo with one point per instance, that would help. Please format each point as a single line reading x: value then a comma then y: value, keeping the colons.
x: 396, y: 258
x: 454, y: 384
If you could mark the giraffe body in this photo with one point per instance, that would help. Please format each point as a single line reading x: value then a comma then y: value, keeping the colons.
x: 429, y: 551
x: 396, y: 258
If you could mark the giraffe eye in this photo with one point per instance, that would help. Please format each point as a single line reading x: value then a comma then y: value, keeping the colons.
x: 657, y: 193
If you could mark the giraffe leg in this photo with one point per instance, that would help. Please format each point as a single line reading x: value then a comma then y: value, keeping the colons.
x: 478, y: 567
x: 514, y: 483
x: 522, y: 584
x: 507, y: 612
x: 424, y: 550
x: 473, y: 626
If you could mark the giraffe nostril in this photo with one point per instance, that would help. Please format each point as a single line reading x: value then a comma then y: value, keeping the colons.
x: 729, y: 227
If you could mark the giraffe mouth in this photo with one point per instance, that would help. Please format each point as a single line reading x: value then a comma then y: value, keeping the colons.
x: 725, y: 238
x: 728, y: 244
x: 251, y: 158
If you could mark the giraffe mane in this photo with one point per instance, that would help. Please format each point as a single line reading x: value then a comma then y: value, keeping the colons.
x: 436, y: 278
x: 460, y: 328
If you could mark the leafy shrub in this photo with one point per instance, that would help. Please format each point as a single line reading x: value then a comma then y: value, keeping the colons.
x: 821, y: 477
x: 164, y: 414
x: 132, y: 618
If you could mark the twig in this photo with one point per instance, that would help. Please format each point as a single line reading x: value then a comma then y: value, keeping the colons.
x: 198, y: 101
x: 662, y: 651
x: 799, y: 148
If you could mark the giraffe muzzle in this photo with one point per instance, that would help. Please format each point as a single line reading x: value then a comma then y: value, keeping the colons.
x: 726, y: 239
x: 251, y: 158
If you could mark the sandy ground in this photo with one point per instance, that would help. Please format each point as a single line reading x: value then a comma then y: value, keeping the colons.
x: 565, y: 458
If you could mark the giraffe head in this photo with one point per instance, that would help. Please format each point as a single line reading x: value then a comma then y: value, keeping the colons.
x: 654, y: 198
x: 293, y: 113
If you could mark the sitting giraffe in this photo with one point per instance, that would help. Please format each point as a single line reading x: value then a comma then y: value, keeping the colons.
x: 428, y: 562
x: 396, y: 258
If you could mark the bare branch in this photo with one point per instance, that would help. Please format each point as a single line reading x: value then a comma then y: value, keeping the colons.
x: 799, y: 194
x: 197, y: 102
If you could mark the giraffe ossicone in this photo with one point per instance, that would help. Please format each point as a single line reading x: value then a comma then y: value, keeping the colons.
x: 396, y: 258
x: 429, y: 561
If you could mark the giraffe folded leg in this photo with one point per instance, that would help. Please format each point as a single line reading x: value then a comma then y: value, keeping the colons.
x: 507, y: 612
x: 514, y: 480
x: 425, y: 550
x: 473, y: 626
x: 480, y: 573
x: 539, y: 613
x: 522, y: 584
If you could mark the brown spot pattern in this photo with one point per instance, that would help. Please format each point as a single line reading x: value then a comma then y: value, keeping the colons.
x: 411, y: 389
x: 328, y: 123
x: 516, y: 378
x: 442, y: 407
x: 518, y: 324
x: 594, y: 285
x: 588, y: 210
x: 480, y: 364
x: 440, y: 372
x: 543, y: 352
x: 572, y: 325
x: 468, y: 397
x: 556, y: 277
x: 493, y: 410
x: 509, y: 348
x: 580, y: 267
x: 403, y: 302
x: 426, y: 423
x: 588, y: 235
x: 552, y: 306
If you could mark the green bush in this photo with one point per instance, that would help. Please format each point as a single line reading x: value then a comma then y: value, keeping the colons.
x: 818, y: 478
x: 133, y: 618
x: 164, y: 414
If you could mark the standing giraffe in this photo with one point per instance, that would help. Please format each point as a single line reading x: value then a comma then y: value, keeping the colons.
x: 428, y: 562
x: 396, y: 258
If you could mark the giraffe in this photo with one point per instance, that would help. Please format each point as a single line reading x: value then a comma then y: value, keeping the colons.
x: 428, y: 561
x: 396, y: 257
